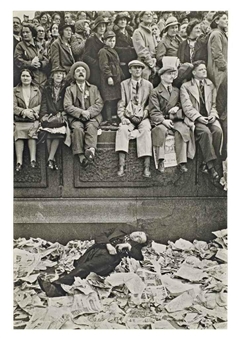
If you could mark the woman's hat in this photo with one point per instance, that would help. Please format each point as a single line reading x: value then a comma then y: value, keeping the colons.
x: 110, y: 34
x: 122, y: 15
x: 79, y: 64
x: 58, y: 69
x: 99, y: 19
x: 64, y: 25
x: 80, y: 26
x: 171, y: 21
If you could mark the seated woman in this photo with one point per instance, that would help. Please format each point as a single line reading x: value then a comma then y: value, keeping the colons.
x: 27, y: 99
x: 101, y: 258
x: 53, y: 119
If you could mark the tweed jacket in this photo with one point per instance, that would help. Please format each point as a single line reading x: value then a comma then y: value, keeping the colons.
x: 217, y: 56
x: 144, y: 45
x: 61, y: 55
x: 19, y: 102
x: 190, y: 100
x: 73, y: 103
x: 126, y: 97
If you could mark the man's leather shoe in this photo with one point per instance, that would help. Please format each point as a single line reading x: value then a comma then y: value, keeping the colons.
x: 49, y: 288
x: 213, y: 174
x: 161, y: 166
x: 89, y: 153
x: 182, y: 168
x: 121, y: 172
x: 147, y: 172
x: 204, y: 168
x: 84, y: 162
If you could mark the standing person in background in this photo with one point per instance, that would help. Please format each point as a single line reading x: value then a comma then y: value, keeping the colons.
x: 29, y: 55
x: 56, y: 18
x: 162, y: 20
x: 169, y: 44
x: 217, y: 49
x: 54, y: 35
x: 183, y: 31
x: 80, y: 37
x: 111, y: 77
x: 124, y: 45
x: 41, y: 34
x: 144, y: 44
x: 191, y: 49
x: 16, y: 38
x: 92, y: 46
x: 133, y: 111
x: 44, y: 21
x: 155, y: 18
x: 61, y: 52
x: 155, y: 33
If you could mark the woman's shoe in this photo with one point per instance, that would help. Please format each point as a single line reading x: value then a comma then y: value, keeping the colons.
x: 33, y: 164
x: 50, y: 164
x: 18, y: 167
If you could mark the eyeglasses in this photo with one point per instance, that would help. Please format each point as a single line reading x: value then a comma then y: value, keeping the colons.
x: 148, y: 14
x: 40, y: 31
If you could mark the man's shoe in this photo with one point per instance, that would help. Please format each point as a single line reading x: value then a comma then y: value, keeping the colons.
x: 204, y: 168
x: 49, y: 288
x: 84, y: 163
x: 182, y: 168
x: 121, y: 172
x: 147, y: 172
x: 213, y: 174
x: 90, y: 154
x: 161, y: 166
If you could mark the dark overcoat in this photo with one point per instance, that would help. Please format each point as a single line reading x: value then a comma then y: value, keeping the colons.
x: 184, y: 52
x: 92, y: 47
x: 125, y: 50
x: 109, y: 65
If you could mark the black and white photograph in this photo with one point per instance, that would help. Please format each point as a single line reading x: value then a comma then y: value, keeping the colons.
x: 120, y: 168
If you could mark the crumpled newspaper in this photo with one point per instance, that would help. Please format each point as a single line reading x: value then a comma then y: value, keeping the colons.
x: 179, y: 285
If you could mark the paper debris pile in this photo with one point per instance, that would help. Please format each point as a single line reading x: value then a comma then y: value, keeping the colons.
x: 181, y: 285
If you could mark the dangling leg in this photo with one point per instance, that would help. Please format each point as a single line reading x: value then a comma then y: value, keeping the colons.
x: 19, y: 147
x: 32, y: 149
x: 52, y: 152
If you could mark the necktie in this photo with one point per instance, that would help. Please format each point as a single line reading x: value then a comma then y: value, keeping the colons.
x: 201, y: 87
x: 169, y: 90
x: 137, y: 87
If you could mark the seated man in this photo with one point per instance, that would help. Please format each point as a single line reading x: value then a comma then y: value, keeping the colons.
x: 198, y: 99
x: 101, y: 258
x: 133, y: 112
x: 166, y: 117
x: 83, y: 104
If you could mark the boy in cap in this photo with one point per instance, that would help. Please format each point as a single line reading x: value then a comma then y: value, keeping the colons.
x: 132, y: 110
x: 111, y: 76
x: 166, y: 117
x: 83, y: 104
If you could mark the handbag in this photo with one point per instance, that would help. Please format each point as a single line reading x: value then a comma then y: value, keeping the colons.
x: 52, y: 121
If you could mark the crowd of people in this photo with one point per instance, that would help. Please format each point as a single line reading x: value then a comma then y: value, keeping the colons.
x: 144, y: 74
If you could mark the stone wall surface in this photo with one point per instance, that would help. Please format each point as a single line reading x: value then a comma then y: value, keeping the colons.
x: 61, y: 203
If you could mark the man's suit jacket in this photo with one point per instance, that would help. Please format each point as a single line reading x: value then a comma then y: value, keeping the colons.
x: 190, y: 100
x: 126, y: 96
x: 74, y: 96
